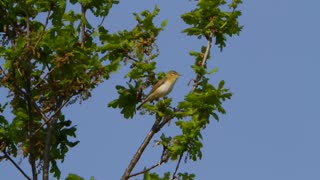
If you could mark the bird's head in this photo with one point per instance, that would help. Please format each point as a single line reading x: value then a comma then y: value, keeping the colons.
x: 173, y: 74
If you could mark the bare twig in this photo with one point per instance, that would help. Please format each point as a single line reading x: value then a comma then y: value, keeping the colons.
x: 145, y: 170
x: 102, y: 20
x: 177, y: 167
x: 131, y: 58
x: 164, y: 158
x: 6, y: 155
x: 136, y: 157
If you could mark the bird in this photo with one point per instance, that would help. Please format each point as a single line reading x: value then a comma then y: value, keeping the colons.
x: 162, y: 87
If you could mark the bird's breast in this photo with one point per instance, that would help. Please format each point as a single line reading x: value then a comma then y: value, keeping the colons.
x: 165, y: 88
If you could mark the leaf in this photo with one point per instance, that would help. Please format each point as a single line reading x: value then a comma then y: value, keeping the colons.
x: 221, y: 84
x: 212, y: 71
x: 74, y: 177
x: 164, y: 23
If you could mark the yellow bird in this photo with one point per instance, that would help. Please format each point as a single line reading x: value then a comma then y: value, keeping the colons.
x: 162, y: 88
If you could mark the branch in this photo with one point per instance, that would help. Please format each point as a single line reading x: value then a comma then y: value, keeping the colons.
x: 83, y: 25
x: 204, y: 60
x: 131, y: 58
x: 43, y: 31
x: 42, y: 79
x: 28, y: 96
x: 136, y: 157
x: 43, y: 116
x: 164, y: 159
x: 177, y: 167
x: 52, y: 117
x: 6, y: 155
x: 148, y: 169
x: 29, y: 99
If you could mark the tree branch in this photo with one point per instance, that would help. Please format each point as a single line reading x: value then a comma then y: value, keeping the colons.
x: 136, y: 157
x: 146, y: 170
x: 48, y: 140
x: 204, y: 60
x: 54, y: 114
x: 42, y: 79
x: 164, y: 158
x: 6, y: 155
x: 83, y: 25
x: 177, y: 167
x: 43, y: 31
x: 29, y: 100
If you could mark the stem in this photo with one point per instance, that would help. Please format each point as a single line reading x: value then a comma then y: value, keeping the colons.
x: 177, y: 167
x: 48, y: 141
x: 164, y: 159
x: 83, y: 25
x: 43, y: 31
x: 50, y: 120
x: 6, y: 155
x: 136, y: 157
x: 204, y: 60
x: 32, y: 159
x: 148, y: 169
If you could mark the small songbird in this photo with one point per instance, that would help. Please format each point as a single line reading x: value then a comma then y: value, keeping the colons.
x: 162, y: 88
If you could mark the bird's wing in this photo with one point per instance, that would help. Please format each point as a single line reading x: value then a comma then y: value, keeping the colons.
x: 158, y: 84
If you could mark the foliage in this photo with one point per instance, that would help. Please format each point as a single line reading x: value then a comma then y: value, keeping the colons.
x: 49, y: 63
x: 46, y: 65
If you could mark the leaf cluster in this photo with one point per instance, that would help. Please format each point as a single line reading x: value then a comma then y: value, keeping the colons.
x: 139, y: 47
x: 210, y: 17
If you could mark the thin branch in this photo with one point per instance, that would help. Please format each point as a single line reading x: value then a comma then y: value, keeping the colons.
x: 54, y: 114
x: 145, y: 170
x: 204, y: 60
x: 49, y: 137
x: 131, y: 58
x: 6, y: 155
x: 43, y: 31
x: 43, y: 116
x: 29, y: 99
x: 83, y: 25
x: 177, y: 167
x: 164, y: 158
x: 42, y: 79
x: 104, y: 17
x: 136, y: 157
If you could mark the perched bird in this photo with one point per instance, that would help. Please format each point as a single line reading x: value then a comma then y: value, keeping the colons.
x: 162, y: 88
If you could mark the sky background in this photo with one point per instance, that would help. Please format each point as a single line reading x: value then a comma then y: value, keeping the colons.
x: 271, y: 129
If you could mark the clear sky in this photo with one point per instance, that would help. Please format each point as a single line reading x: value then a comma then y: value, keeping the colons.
x: 271, y: 129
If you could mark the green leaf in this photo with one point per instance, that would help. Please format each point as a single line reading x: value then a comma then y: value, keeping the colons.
x: 164, y: 23
x: 212, y: 71
x: 221, y: 84
x: 126, y: 101
x: 74, y: 177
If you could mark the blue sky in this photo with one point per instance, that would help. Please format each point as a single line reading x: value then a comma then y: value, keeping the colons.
x: 271, y: 129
